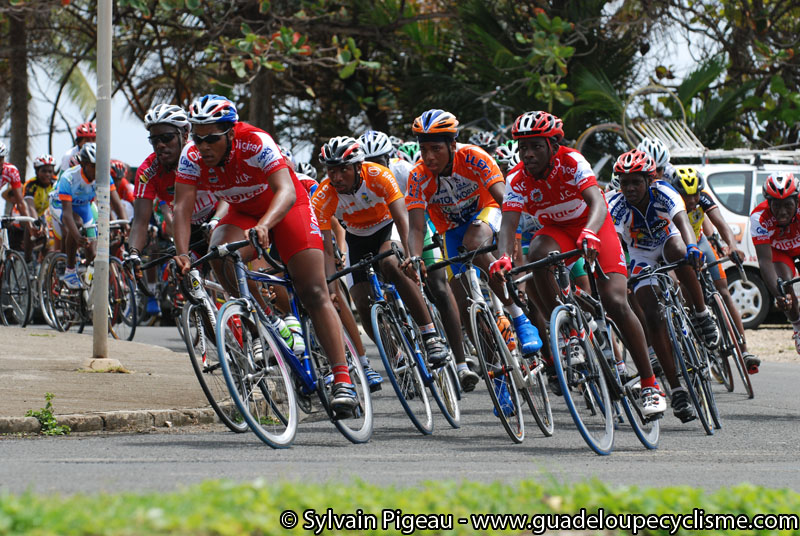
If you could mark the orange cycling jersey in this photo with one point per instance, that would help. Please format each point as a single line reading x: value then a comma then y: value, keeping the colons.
x: 364, y: 211
x: 453, y: 201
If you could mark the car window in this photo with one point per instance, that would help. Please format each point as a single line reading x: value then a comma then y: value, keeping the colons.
x: 732, y: 189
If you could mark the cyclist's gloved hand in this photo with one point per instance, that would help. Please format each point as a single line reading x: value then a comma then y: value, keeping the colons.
x: 500, y: 266
x: 592, y: 240
x: 694, y: 255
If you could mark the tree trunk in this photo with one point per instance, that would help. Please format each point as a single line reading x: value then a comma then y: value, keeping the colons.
x: 18, y: 64
x: 261, y: 112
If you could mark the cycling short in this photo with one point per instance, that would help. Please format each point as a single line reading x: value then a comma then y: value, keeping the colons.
x: 454, y: 238
x: 610, y: 256
x: 639, y: 259
x: 297, y: 231
x: 87, y: 215
x: 785, y: 257
x: 717, y: 272
x: 359, y: 247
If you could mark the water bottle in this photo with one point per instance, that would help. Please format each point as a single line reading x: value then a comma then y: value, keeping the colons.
x: 298, y: 345
x: 280, y: 326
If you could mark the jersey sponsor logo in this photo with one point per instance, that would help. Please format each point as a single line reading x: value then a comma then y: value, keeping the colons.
x: 143, y: 179
x: 247, y: 146
x: 243, y: 178
x: 188, y: 168
x: 760, y: 230
x: 479, y: 163
x: 536, y: 195
x: 265, y: 156
x: 373, y: 172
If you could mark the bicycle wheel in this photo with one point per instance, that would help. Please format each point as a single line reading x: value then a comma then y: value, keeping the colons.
x: 491, y: 350
x: 733, y: 340
x: 647, y: 430
x: 200, y: 340
x: 258, y: 381
x: 121, y: 301
x: 15, y: 290
x: 401, y: 367
x: 445, y: 388
x: 64, y: 302
x: 582, y: 381
x: 357, y: 428
x: 685, y: 347
x: 533, y: 386
x: 720, y: 366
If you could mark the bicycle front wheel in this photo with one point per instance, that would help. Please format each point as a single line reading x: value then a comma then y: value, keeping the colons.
x: 121, y: 301
x: 732, y: 341
x: 491, y: 350
x: 15, y: 290
x: 200, y: 339
x: 582, y: 381
x: 65, y: 303
x: 256, y: 375
x: 401, y: 367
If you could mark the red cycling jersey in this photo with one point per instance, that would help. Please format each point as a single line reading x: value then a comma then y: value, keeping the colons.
x: 765, y: 230
x: 10, y: 176
x: 153, y: 181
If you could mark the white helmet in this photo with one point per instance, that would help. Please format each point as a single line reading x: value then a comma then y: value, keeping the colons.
x: 3, y: 150
x: 396, y: 142
x: 656, y: 149
x: 167, y: 114
x: 507, y: 154
x: 307, y: 169
x: 375, y: 143
x: 287, y: 153
x: 88, y: 153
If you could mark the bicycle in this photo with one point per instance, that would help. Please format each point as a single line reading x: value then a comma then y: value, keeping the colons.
x: 262, y: 373
x: 691, y: 355
x: 500, y: 367
x: 398, y: 340
x: 15, y: 284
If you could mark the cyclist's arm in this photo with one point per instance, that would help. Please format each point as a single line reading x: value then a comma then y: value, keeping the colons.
x: 768, y: 273
x: 340, y: 234
x: 15, y: 196
x: 724, y: 230
x: 498, y: 191
x: 116, y: 205
x: 416, y: 231
x: 330, y: 257
x: 221, y: 210
x: 508, y: 232
x: 682, y: 223
x: 142, y: 211
x: 169, y: 220
x: 598, y: 210
x: 68, y: 219
x: 185, y: 197
x: 399, y: 213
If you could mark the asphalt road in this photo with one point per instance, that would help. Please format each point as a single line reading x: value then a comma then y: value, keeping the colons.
x: 757, y: 444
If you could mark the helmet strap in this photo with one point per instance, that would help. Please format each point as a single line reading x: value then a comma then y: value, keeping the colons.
x: 359, y: 179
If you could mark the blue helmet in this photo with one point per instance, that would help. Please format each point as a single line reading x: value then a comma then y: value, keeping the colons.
x: 210, y: 109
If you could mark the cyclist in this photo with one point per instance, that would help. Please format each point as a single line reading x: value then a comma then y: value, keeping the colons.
x: 242, y: 165
x: 37, y: 195
x: 775, y: 229
x: 660, y: 155
x: 125, y: 190
x: 366, y: 197
x: 651, y: 220
x: 84, y: 133
x: 9, y: 176
x: 557, y: 186
x: 378, y: 148
x: 71, y: 205
x: 691, y: 184
x: 461, y: 188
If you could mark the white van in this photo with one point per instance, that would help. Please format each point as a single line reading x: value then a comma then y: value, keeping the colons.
x: 737, y: 190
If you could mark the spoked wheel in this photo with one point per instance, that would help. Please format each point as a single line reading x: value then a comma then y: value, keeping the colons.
x: 732, y: 342
x: 65, y: 303
x: 256, y: 375
x: 534, y: 390
x: 43, y: 291
x: 15, y: 290
x: 497, y: 372
x: 647, y: 430
x: 445, y: 391
x: 201, y: 343
x: 401, y: 368
x: 121, y: 301
x: 356, y: 427
x: 582, y: 381
x: 685, y: 349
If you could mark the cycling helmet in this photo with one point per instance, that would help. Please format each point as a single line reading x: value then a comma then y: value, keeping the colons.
x: 88, y: 153
x: 396, y: 142
x: 614, y: 182
x: 409, y: 151
x: 375, y: 143
x: 538, y: 125
x: 307, y: 169
x: 86, y: 130
x: 507, y: 154
x: 780, y: 186
x: 118, y: 169
x: 211, y: 109
x: 340, y: 151
x: 166, y: 114
x: 287, y: 153
x: 688, y: 180
x: 482, y: 139
x: 3, y: 150
x: 43, y: 160
x: 435, y: 125
x: 635, y: 161
x: 74, y: 160
x: 656, y: 149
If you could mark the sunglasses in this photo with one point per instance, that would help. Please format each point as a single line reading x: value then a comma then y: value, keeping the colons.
x: 163, y: 138
x: 209, y: 139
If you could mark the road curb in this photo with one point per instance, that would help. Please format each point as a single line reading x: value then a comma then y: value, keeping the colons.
x: 114, y: 421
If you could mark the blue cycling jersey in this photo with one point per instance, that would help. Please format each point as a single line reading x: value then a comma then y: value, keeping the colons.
x: 650, y: 230
x: 73, y: 186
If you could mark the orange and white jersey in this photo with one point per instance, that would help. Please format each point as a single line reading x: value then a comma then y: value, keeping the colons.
x: 366, y: 210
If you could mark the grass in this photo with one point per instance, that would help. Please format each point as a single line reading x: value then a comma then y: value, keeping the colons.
x: 46, y: 418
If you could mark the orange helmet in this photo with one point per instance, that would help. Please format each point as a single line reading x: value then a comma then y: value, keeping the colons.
x: 435, y: 125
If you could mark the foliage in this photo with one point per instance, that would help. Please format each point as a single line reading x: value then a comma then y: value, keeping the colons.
x: 46, y: 418
x: 226, y: 508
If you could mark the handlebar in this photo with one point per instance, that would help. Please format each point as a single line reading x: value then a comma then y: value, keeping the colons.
x: 366, y: 261
x: 650, y: 271
x: 463, y: 257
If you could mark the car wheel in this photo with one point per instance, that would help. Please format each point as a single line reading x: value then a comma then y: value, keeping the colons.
x: 751, y: 297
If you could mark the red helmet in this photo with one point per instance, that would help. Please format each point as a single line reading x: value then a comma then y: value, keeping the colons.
x: 538, y: 125
x: 118, y: 169
x: 635, y: 161
x: 86, y: 130
x: 780, y: 186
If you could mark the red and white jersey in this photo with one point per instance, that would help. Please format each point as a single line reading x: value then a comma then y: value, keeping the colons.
x: 10, y: 176
x: 153, y: 181
x: 242, y: 178
x: 765, y: 230
x: 556, y: 199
